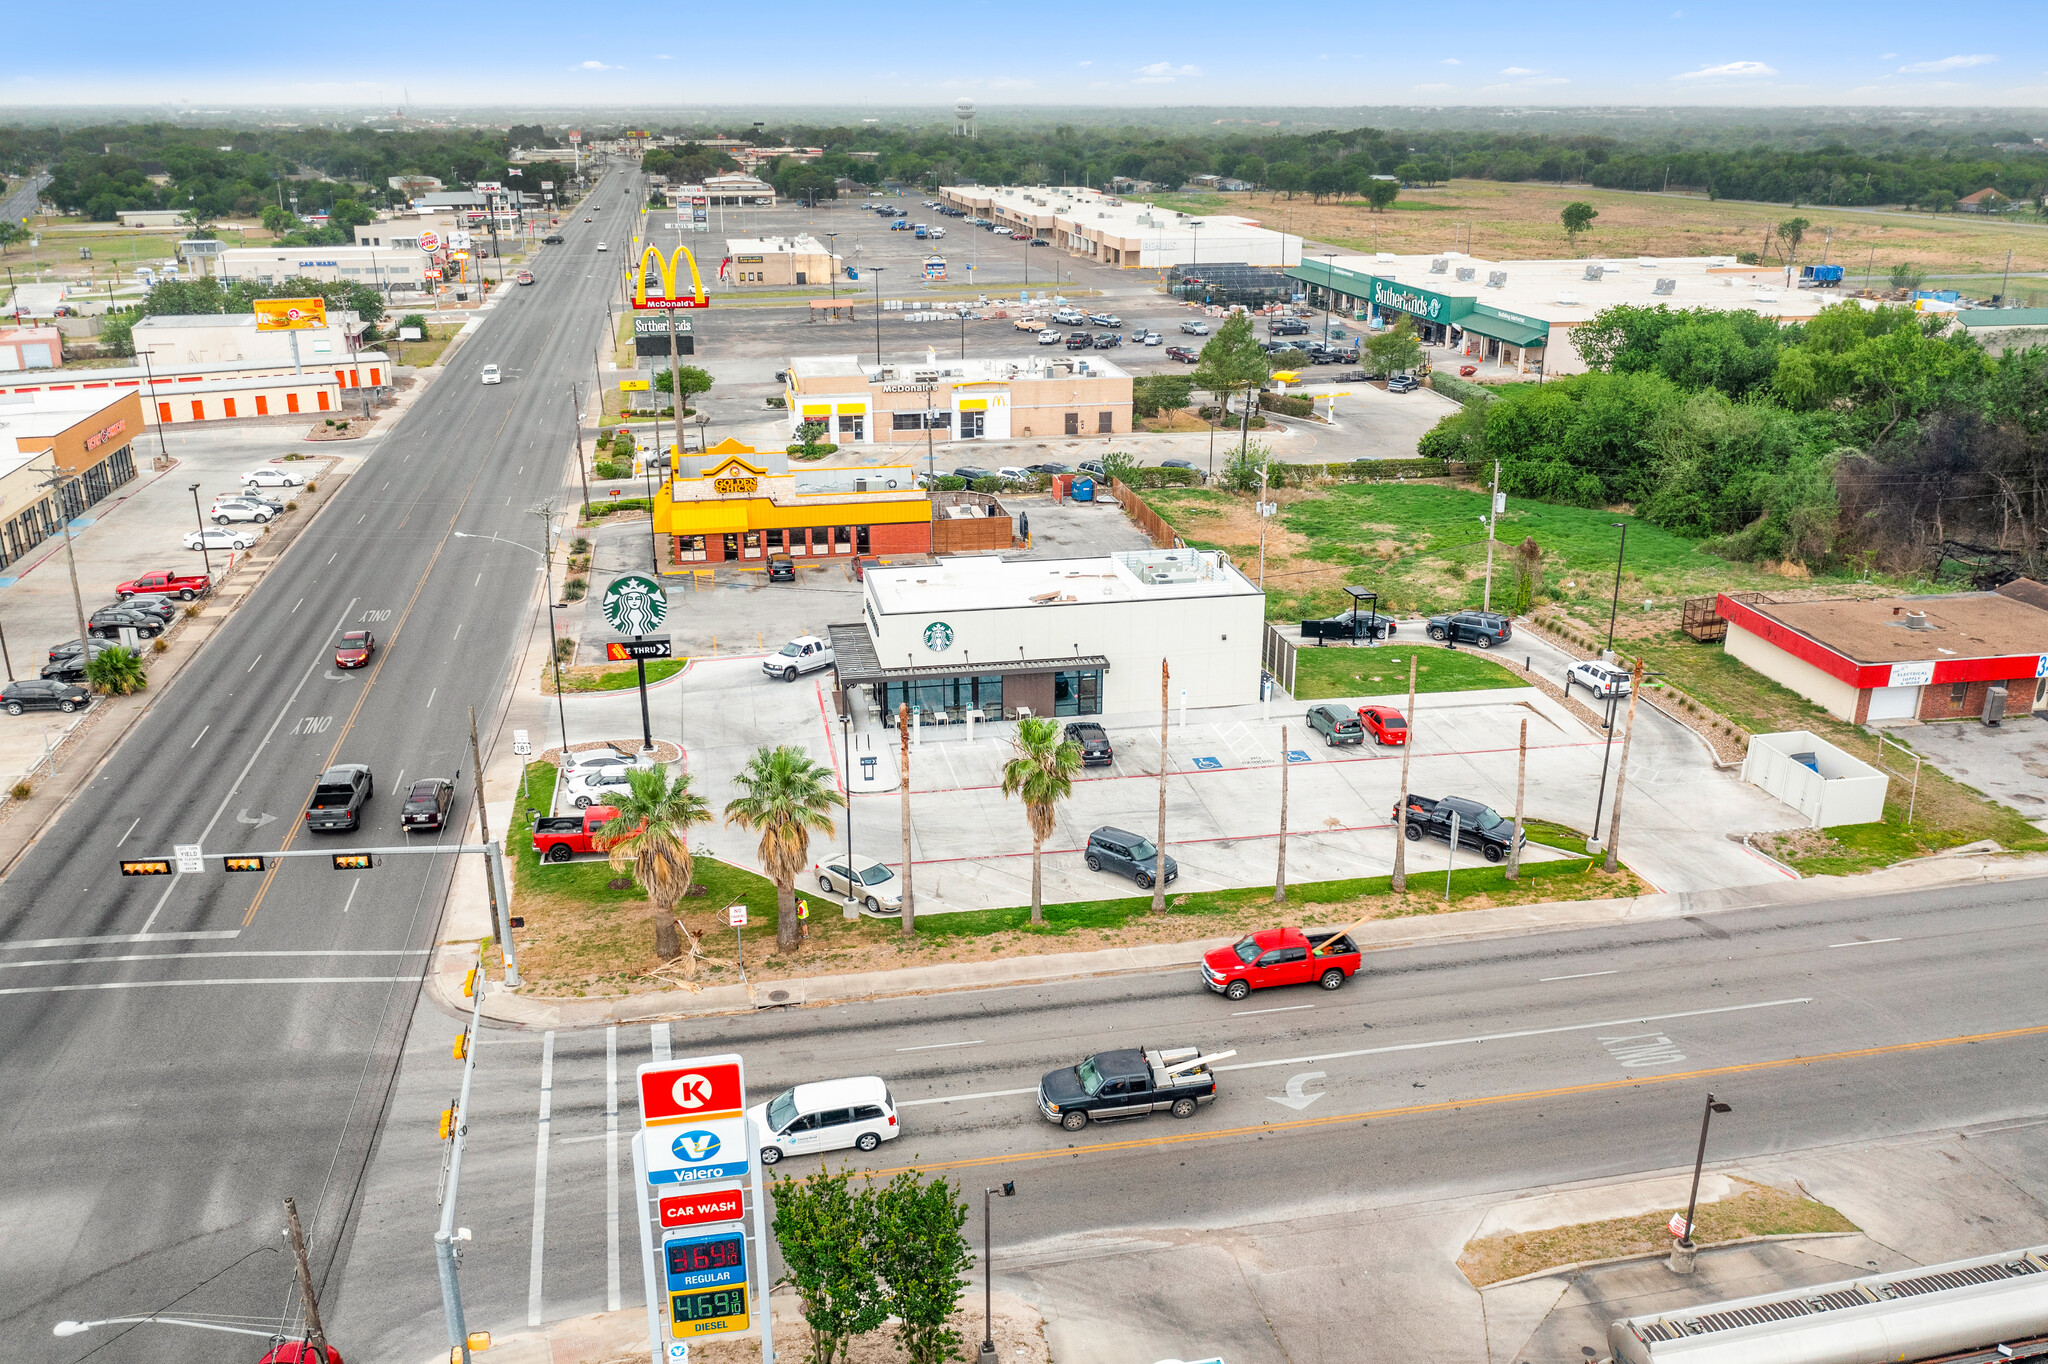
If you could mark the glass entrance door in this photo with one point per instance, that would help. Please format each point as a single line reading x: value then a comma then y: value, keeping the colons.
x: 972, y: 424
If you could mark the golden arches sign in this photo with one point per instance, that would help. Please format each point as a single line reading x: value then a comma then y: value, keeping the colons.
x: 670, y: 268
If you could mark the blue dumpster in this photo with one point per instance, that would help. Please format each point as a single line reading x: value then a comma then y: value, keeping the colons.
x: 1083, y: 490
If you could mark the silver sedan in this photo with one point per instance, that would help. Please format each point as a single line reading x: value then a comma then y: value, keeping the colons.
x: 879, y: 891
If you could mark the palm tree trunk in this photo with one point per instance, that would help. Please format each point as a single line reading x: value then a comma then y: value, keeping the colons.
x: 786, y: 927
x: 1037, y: 895
x: 666, y: 944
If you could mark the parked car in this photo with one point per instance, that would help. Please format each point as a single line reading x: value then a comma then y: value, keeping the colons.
x: 828, y: 1116
x: 1479, y: 826
x: 491, y: 375
x: 1183, y: 354
x: 1011, y: 473
x: 353, y: 650
x: 1602, y: 679
x: 1354, y: 377
x: 879, y: 891
x: 972, y: 473
x: 1110, y: 320
x: 1094, y: 468
x: 109, y: 621
x: 781, y: 569
x: 591, y: 759
x: 427, y: 804
x: 338, y: 799
x: 1152, y: 339
x: 1020, y: 236
x: 1049, y: 337
x: 1403, y: 383
x: 1029, y: 324
x: 1483, y: 628
x: 597, y: 787
x: 35, y: 693
x: 72, y: 649
x: 1069, y: 317
x: 804, y: 654
x: 1286, y: 326
x: 1280, y: 956
x: 160, y: 607
x: 1131, y: 1083
x: 1187, y: 464
x: 1050, y: 467
x: 557, y: 838
x: 1040, y: 241
x: 1093, y: 740
x: 213, y: 537
x: 1384, y: 723
x: 226, y: 509
x: 269, y: 477
x: 1127, y: 854
x: 1108, y: 341
x: 1336, y: 724
x: 1195, y: 328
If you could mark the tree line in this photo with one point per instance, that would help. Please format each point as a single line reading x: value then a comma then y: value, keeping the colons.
x: 1863, y: 434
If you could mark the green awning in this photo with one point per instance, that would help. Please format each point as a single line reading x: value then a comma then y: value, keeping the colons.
x: 1516, y: 331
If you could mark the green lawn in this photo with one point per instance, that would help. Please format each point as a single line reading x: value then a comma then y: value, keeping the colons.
x: 619, y: 679
x: 1355, y: 671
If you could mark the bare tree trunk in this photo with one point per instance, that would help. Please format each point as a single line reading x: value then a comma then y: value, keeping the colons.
x: 1037, y: 884
x: 1621, y: 776
x: 1280, y: 874
x: 903, y: 766
x: 666, y: 944
x: 1514, y: 867
x: 1400, y: 878
x: 787, y: 930
x: 1159, y: 870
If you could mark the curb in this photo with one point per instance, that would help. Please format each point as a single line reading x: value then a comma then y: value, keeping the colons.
x: 1582, y: 1265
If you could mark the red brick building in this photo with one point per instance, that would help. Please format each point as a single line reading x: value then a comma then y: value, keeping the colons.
x: 1898, y: 658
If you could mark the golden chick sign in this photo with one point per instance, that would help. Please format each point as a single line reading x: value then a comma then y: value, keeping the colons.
x: 670, y: 268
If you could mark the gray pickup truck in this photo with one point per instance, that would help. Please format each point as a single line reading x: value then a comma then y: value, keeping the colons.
x: 339, y: 798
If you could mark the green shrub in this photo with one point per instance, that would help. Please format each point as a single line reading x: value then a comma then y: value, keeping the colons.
x: 1462, y: 390
x: 1287, y: 405
x: 574, y: 589
x: 116, y: 672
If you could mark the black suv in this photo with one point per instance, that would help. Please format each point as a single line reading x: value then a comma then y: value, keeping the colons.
x: 972, y: 474
x: 1336, y: 724
x: 1127, y: 854
x: 1094, y: 742
x: 108, y: 621
x: 40, y: 694
x: 552, y: 239
x: 427, y: 804
x: 781, y: 569
x: 1484, y: 628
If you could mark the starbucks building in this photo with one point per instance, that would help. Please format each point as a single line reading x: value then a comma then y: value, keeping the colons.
x: 1062, y: 637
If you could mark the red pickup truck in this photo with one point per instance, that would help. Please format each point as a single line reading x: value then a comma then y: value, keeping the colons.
x: 1280, y: 956
x: 557, y: 838
x: 164, y: 583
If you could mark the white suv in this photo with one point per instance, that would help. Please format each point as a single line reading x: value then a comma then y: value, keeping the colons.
x: 804, y: 654
x: 226, y: 509
x: 1601, y: 679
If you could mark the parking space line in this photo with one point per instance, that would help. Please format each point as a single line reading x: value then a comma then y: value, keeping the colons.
x: 1247, y: 1013
x: 1862, y: 942
x: 935, y: 1046
x: 1583, y: 975
x: 658, y: 1038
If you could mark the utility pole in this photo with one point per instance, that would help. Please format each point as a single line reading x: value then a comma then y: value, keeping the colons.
x: 1159, y: 867
x: 1492, y: 515
x: 1621, y: 775
x: 1400, y: 877
x: 903, y: 768
x: 1514, y: 865
x: 314, y: 1329
x: 483, y: 828
x: 1280, y: 875
x: 57, y: 479
x: 576, y: 419
x: 546, y: 512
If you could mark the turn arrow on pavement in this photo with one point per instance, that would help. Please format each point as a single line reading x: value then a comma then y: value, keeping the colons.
x: 1294, y: 1098
x: 258, y: 820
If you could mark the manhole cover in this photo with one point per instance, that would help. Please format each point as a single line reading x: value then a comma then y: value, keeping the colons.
x: 778, y: 996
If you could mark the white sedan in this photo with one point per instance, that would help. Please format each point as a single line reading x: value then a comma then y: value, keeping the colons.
x: 1602, y: 679
x: 879, y: 893
x: 491, y: 374
x: 272, y: 478
x: 600, y: 245
x: 213, y: 537
x: 228, y: 509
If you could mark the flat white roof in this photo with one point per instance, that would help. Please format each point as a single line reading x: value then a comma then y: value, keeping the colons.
x: 1562, y: 291
x: 987, y: 582
x: 973, y: 370
x: 801, y: 244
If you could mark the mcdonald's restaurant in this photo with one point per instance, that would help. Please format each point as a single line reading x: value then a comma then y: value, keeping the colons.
x: 735, y: 504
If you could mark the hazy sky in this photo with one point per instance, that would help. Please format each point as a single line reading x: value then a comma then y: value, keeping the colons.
x: 1993, y: 52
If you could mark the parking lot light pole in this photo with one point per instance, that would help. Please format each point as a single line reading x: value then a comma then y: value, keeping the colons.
x: 852, y: 909
x: 876, y: 271
x: 1682, y: 1253
x: 1329, y: 295
x: 832, y: 265
x: 1614, y: 609
x: 204, y: 557
x: 988, y: 1292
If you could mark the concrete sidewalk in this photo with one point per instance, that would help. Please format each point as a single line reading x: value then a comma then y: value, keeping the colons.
x: 514, y: 1010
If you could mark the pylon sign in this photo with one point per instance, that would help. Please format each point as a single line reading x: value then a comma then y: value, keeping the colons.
x: 695, y: 1147
x: 670, y: 269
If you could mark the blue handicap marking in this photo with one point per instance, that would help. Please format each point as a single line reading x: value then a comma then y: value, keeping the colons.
x: 1208, y: 764
x: 1297, y: 755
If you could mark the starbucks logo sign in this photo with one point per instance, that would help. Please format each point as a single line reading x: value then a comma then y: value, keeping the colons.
x: 635, y: 605
x: 938, y: 636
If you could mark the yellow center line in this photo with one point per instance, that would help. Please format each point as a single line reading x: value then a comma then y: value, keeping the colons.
x: 1522, y: 1096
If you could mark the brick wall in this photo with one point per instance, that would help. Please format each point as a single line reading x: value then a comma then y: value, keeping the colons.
x: 1937, y: 700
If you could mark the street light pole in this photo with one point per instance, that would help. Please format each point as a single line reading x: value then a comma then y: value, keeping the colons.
x: 852, y: 910
x: 1682, y: 1253
x: 832, y: 265
x: 1615, y: 608
x: 200, y: 516
x: 1329, y: 294
x: 546, y: 512
x: 876, y: 271
x: 988, y: 1292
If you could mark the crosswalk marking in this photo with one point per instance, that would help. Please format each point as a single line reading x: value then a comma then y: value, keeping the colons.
x: 540, y: 1178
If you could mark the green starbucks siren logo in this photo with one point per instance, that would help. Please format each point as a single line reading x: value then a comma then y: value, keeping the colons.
x: 938, y: 636
x: 635, y: 605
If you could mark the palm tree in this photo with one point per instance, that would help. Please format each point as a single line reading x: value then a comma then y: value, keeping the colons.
x: 115, y: 672
x: 653, y: 833
x: 1043, y: 774
x: 786, y: 798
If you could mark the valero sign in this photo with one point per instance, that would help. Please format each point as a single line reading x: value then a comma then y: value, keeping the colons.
x: 670, y: 267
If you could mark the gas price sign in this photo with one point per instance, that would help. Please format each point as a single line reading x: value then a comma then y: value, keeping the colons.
x: 715, y: 1311
x: 711, y: 1261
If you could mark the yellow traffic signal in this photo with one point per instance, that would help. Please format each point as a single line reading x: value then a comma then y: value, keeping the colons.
x: 447, y: 1123
x: 469, y: 984
x: 462, y: 1047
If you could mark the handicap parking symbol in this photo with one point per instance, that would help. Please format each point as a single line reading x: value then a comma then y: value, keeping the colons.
x: 1297, y: 755
x: 1208, y: 764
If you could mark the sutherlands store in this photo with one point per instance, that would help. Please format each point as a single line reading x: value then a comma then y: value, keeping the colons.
x: 85, y: 438
x: 734, y: 504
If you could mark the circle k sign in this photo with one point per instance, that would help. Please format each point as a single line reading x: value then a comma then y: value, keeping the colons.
x: 685, y: 1091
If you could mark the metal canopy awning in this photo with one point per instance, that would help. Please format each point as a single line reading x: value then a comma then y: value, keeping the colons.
x: 854, y: 658
x: 1500, y: 329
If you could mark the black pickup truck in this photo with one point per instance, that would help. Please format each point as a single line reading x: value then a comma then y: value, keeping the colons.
x: 339, y: 798
x: 1129, y: 1084
x: 1479, y: 826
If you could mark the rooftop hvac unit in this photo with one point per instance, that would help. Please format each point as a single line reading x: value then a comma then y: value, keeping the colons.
x: 1439, y: 265
x: 1568, y: 300
x: 1467, y: 273
x: 1594, y: 272
x: 1665, y: 286
x: 1382, y: 255
x: 1496, y: 279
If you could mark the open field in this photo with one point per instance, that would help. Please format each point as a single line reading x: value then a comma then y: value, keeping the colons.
x: 55, y: 257
x: 1500, y: 221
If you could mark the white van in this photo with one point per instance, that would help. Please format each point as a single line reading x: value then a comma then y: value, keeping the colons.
x: 828, y: 1116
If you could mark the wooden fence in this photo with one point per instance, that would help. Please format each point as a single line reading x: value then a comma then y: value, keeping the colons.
x: 1143, y: 516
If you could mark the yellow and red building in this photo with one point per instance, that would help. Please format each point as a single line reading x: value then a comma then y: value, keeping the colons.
x: 734, y: 504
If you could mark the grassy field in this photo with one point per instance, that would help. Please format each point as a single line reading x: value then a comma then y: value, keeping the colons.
x: 1510, y: 222
x: 1358, y: 671
x: 421, y: 354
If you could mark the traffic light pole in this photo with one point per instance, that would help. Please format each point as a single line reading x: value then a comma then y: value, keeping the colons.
x: 446, y: 1255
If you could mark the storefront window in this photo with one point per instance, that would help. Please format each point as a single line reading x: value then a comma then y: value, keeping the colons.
x: 842, y: 539
x: 689, y: 549
x: 1077, y: 693
x: 860, y: 539
x: 774, y: 539
x: 951, y: 696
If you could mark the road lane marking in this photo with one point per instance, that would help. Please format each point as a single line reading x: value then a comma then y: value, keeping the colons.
x: 357, y: 885
x: 1482, y: 1101
x: 658, y: 1039
x: 196, y: 956
x: 430, y: 701
x: 131, y: 829
x: 1247, y: 1013
x: 252, y: 664
x: 611, y: 1167
x: 1583, y: 975
x: 202, y: 734
x: 1643, y: 1049
x: 296, y: 605
x: 30, y: 944
x: 540, y: 1177
x: 225, y: 980
x: 935, y: 1046
x: 1862, y: 942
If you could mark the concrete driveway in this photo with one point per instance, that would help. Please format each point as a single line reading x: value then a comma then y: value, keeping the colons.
x: 2008, y: 764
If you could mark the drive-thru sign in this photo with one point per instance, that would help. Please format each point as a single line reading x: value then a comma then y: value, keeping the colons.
x: 696, y: 1159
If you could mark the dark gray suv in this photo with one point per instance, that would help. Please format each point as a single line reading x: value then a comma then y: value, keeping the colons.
x: 1127, y: 854
x: 1483, y: 628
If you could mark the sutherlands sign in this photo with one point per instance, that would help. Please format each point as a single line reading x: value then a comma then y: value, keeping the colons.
x: 1418, y: 302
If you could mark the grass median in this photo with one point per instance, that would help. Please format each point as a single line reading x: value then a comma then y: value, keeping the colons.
x: 587, y: 933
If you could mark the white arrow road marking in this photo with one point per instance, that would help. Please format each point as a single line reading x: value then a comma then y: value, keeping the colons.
x: 333, y: 676
x: 258, y: 820
x: 1294, y: 1098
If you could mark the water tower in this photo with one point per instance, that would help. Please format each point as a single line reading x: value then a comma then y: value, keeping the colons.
x: 963, y: 111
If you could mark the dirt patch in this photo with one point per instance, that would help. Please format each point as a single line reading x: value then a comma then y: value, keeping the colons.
x: 351, y: 428
x: 1759, y: 1210
x: 1019, y: 1339
x: 1181, y: 420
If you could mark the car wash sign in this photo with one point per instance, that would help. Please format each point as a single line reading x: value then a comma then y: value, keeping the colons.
x: 691, y: 1152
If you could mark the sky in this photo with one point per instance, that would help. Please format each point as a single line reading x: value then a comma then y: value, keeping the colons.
x: 1199, y: 52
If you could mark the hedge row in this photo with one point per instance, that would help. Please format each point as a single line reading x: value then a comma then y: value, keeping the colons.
x: 1461, y: 390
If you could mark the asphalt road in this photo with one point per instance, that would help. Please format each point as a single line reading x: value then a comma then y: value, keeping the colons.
x: 179, y: 1055
x: 1491, y: 1066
